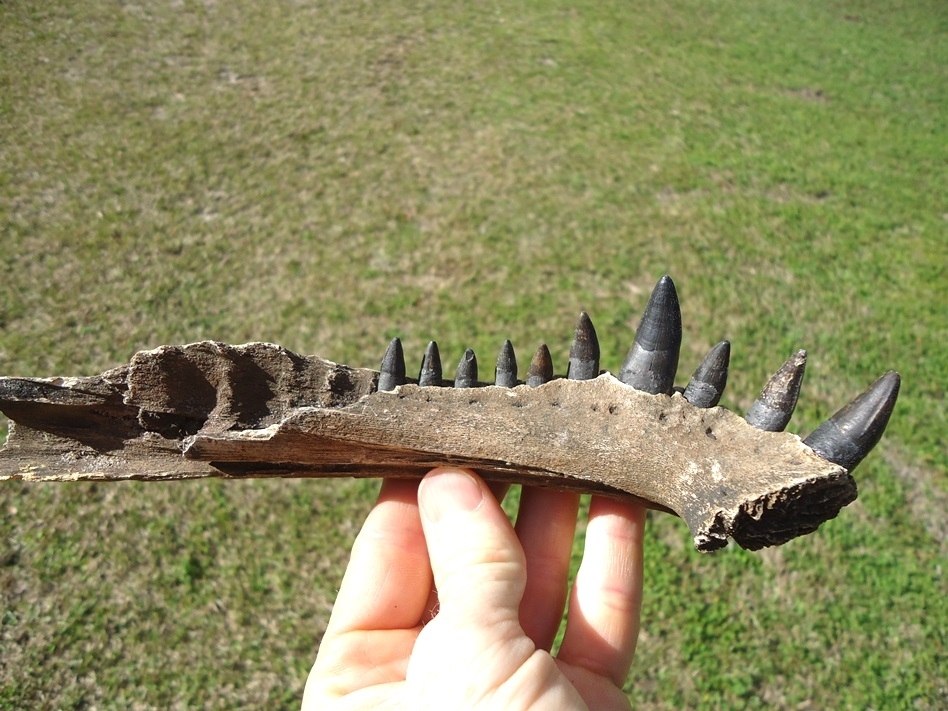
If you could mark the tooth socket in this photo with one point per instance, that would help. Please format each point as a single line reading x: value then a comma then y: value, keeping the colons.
x: 505, y: 375
x: 430, y: 373
x: 392, y: 371
x: 709, y: 380
x: 774, y: 407
x: 849, y: 435
x: 466, y: 374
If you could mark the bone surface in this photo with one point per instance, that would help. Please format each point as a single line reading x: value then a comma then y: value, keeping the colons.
x: 259, y: 410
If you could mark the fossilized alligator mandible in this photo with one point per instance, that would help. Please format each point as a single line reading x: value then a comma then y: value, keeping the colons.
x: 259, y: 410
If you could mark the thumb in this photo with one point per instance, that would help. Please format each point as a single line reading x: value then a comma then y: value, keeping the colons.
x: 474, y: 653
x: 478, y: 562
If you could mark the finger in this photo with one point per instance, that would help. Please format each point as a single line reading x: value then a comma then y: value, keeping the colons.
x: 546, y: 525
x: 476, y: 558
x: 499, y: 490
x: 388, y: 579
x: 475, y: 643
x: 605, y: 604
x: 376, y: 618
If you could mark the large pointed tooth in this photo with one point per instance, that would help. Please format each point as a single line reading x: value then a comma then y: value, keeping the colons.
x: 584, y: 353
x: 505, y: 374
x: 774, y: 407
x: 466, y: 375
x: 430, y: 373
x: 708, y: 382
x: 392, y: 372
x: 849, y: 435
x: 652, y: 361
x: 541, y: 367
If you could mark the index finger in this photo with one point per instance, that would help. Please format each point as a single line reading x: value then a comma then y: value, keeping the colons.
x: 377, y: 613
x: 388, y: 579
x: 605, y: 605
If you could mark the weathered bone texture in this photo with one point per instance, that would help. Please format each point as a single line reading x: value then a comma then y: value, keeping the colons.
x: 259, y: 410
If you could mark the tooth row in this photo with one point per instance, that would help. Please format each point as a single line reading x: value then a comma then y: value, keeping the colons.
x: 651, y: 366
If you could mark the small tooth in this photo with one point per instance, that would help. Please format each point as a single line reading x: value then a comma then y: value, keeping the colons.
x: 652, y: 361
x: 849, y: 435
x: 708, y: 382
x: 541, y: 367
x: 392, y: 372
x: 584, y: 353
x: 466, y: 375
x: 430, y: 373
x: 505, y: 374
x: 774, y: 407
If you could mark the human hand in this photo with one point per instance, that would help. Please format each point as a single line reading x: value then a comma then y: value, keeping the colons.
x: 445, y: 605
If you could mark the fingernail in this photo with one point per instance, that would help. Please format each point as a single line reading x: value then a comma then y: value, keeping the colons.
x: 448, y: 492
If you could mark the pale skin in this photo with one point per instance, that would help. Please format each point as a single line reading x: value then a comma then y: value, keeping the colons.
x: 445, y: 605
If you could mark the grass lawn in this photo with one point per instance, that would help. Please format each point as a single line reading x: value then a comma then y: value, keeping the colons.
x: 328, y: 175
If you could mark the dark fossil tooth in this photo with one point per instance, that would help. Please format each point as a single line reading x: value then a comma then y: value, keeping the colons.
x: 584, y: 353
x: 392, y: 372
x: 505, y: 374
x: 541, y: 367
x: 849, y: 435
x: 774, y: 407
x: 430, y: 373
x: 466, y: 374
x: 652, y: 361
x: 708, y: 382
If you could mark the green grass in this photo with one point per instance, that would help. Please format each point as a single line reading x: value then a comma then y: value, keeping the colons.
x: 327, y: 177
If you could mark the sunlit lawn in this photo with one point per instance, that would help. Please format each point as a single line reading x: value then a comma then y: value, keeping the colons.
x: 329, y: 176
